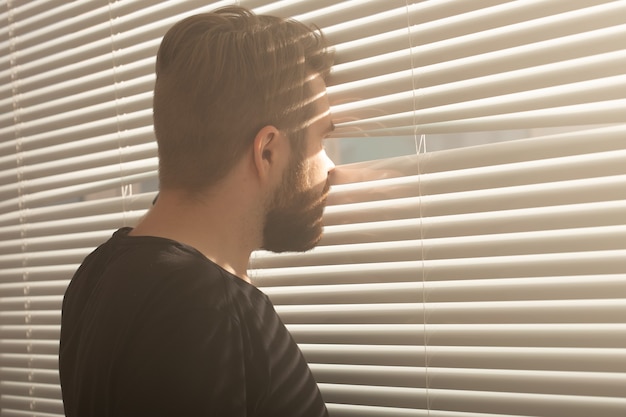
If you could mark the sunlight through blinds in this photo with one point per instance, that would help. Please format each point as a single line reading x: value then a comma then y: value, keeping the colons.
x: 484, y: 280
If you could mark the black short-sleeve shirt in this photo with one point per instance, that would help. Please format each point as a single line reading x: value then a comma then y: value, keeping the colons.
x: 151, y: 327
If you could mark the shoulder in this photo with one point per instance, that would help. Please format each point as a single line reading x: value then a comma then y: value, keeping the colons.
x: 149, y: 272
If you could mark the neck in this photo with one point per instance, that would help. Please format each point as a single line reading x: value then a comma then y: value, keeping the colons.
x: 218, y: 224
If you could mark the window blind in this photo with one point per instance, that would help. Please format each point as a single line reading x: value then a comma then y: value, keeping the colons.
x: 482, y: 280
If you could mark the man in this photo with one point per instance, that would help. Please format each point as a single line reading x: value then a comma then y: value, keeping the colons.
x: 162, y: 319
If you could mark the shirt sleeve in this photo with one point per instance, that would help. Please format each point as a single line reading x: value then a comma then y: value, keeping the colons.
x: 292, y: 389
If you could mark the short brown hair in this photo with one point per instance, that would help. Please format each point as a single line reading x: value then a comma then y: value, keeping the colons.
x: 220, y: 78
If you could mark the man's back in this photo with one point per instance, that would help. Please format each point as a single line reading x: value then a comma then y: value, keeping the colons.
x: 151, y: 327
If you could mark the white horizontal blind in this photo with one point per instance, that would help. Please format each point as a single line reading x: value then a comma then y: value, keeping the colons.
x: 478, y: 281
x: 483, y: 281
x: 524, y: 276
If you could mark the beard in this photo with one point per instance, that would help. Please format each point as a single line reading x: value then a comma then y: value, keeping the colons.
x: 293, y: 222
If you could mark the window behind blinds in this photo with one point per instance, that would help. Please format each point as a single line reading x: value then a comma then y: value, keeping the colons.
x: 456, y: 282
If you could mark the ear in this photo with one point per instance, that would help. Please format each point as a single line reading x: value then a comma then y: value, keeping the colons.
x: 268, y: 150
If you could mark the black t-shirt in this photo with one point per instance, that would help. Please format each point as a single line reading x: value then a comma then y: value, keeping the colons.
x: 151, y: 327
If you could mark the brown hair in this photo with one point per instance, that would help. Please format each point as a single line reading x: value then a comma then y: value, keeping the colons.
x: 220, y: 78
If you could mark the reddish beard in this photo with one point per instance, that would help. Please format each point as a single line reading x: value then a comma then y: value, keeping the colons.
x: 293, y: 222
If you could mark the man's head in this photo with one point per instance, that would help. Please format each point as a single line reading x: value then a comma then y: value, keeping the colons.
x: 221, y: 77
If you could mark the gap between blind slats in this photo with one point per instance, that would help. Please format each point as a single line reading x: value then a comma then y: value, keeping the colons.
x: 38, y: 273
x: 561, y: 26
x: 34, y: 289
x: 583, y: 18
x: 28, y: 244
x: 64, y: 49
x: 355, y: 182
x: 498, y: 67
x: 506, y: 289
x: 93, y: 53
x: 106, y: 110
x: 94, y: 174
x: 535, y: 265
x: 465, y: 37
x: 554, y: 335
x: 34, y: 14
x: 41, y: 407
x: 86, y: 131
x: 140, y: 28
x: 528, y: 403
x: 381, y: 396
x: 557, y: 169
x: 380, y: 28
x: 354, y: 410
x: 585, y: 384
x: 375, y: 395
x: 512, y: 221
x: 579, y: 142
x: 137, y: 60
x: 441, y: 104
x: 602, y: 384
x: 44, y: 376
x: 50, y: 257
x: 29, y: 332
x: 86, y: 228
x: 34, y: 318
x: 597, y: 90
x: 26, y: 345
x: 597, y: 113
x: 75, y: 170
x: 577, y: 314
x: 513, y: 335
x: 303, y: 11
x: 28, y: 302
x: 459, y: 17
x: 347, y: 293
x: 364, y: 334
x: 33, y: 338
x: 150, y: 22
x: 619, y: 128
x: 529, y: 266
x: 510, y: 289
x: 82, y: 211
x: 608, y: 112
x: 94, y: 215
x: 587, y: 308
x: 84, y: 148
x: 84, y: 88
x: 514, y: 314
x: 559, y: 193
x: 467, y: 66
x: 573, y: 287
x: 64, y: 103
x: 75, y: 191
x: 51, y: 391
x: 21, y: 413
x: 487, y: 357
x: 435, y: 83
x: 400, y: 376
x: 522, y: 243
x: 34, y: 361
x: 137, y: 14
